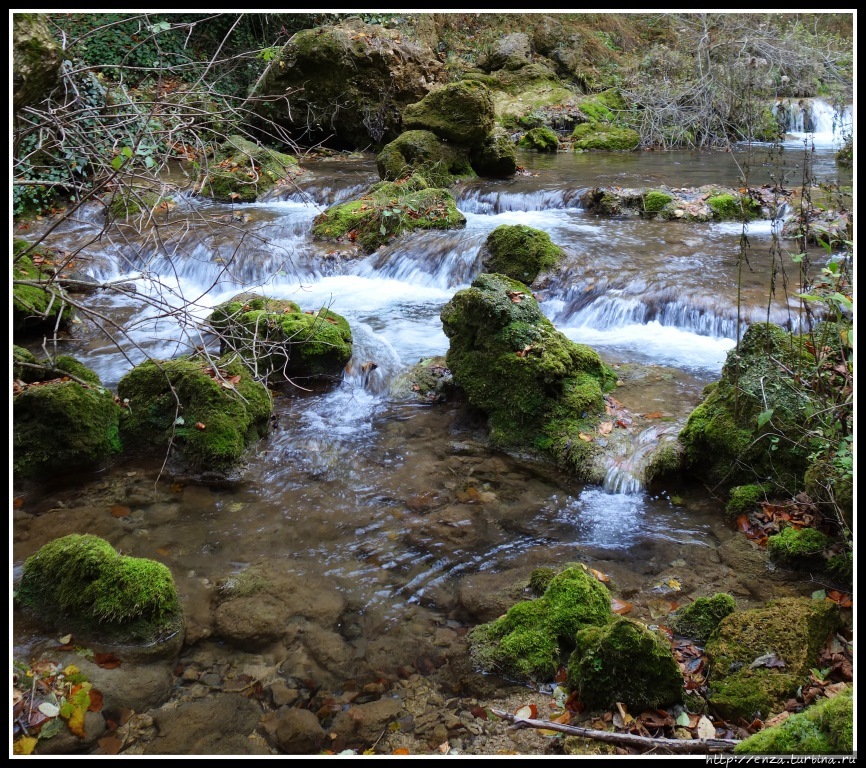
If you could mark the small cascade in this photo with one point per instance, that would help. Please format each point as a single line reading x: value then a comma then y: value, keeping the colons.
x: 478, y: 200
x: 374, y: 361
x: 815, y: 118
x: 626, y: 466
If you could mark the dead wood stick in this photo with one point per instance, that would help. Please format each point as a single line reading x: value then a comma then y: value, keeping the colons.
x: 679, y: 746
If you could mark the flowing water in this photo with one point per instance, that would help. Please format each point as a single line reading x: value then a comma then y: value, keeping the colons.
x: 399, y: 507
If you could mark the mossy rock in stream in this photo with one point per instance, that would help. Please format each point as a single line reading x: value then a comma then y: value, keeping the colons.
x: 539, y: 389
x: 624, y: 661
x: 604, y: 136
x: 62, y: 426
x: 541, y: 139
x: 724, y: 441
x: 425, y: 154
x: 206, y: 415
x: 798, y: 548
x: 36, y: 309
x: 825, y: 728
x: 460, y: 112
x: 697, y: 620
x: 496, y: 156
x: 528, y: 643
x: 759, y: 658
x: 242, y: 171
x: 83, y: 584
x: 520, y: 252
x: 386, y: 211
x: 734, y: 207
x: 279, y: 341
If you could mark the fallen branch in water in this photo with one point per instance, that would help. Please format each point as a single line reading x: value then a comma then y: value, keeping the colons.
x: 679, y: 746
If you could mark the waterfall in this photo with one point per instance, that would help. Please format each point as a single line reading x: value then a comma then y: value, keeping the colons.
x: 816, y: 118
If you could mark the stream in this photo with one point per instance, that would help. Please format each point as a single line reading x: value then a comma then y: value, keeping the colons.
x: 396, y: 509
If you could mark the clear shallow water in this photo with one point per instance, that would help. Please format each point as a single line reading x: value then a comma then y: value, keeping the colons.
x: 399, y: 506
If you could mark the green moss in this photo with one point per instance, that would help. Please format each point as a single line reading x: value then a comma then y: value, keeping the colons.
x: 842, y: 566
x: 19, y: 371
x: 743, y: 499
x: 36, y: 308
x: 825, y: 728
x: 528, y: 642
x: 425, y: 154
x: 63, y: 426
x: 604, y: 136
x: 388, y: 210
x: 522, y: 92
x: 542, y: 139
x: 461, y: 112
x: 82, y: 579
x: 520, y: 252
x: 698, y: 619
x: 128, y: 205
x: 242, y: 171
x: 655, y: 201
x: 664, y: 461
x: 728, y: 207
x: 794, y: 546
x: 496, y: 156
x: 168, y: 399
x: 540, y: 579
x: 278, y: 341
x: 723, y: 443
x: 538, y: 388
x: 845, y: 156
x: 791, y: 629
x: 624, y: 661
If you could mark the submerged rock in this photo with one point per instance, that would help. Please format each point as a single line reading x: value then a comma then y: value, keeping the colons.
x: 61, y: 425
x: 540, y: 390
x: 428, y: 381
x: 82, y: 582
x: 758, y: 658
x: 206, y: 415
x: 243, y: 171
x: 623, y: 661
x: 278, y: 341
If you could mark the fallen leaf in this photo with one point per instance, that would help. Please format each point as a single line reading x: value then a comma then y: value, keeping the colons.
x: 620, y: 606
x: 586, y: 438
x: 659, y: 608
x: 106, y: 660
x: 444, y: 748
x: 652, y: 415
x: 24, y: 746
x: 479, y: 712
x: 605, y: 427
x: 770, y: 661
x: 48, y: 709
x: 516, y: 296
x: 65, y: 639
x: 401, y: 751
x: 96, y: 701
x: 527, y: 712
x: 683, y: 719
x: 706, y: 729
x: 109, y: 745
x: 574, y: 704
x: 675, y: 584
x: 200, y: 426
x: 118, y: 510
x: 18, y: 502
x: 602, y: 577
x: 777, y: 719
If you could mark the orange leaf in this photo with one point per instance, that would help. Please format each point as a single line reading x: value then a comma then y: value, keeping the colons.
x: 110, y: 745
x: 18, y: 502
x: 401, y: 751
x: 585, y: 438
x: 620, y: 606
x: 653, y: 415
x: 106, y: 660
x: 118, y: 510
x: 200, y: 426
x: 605, y: 427
x: 602, y: 577
x: 95, y: 701
x: 527, y: 712
x: 743, y: 523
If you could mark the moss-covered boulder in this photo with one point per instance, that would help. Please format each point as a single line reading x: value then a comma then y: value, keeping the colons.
x: 825, y: 728
x: 495, y: 157
x: 36, y: 58
x: 726, y: 443
x: 798, y: 547
x: 743, y: 499
x: 60, y: 425
x: 38, y: 300
x: 22, y: 359
x: 520, y: 252
x: 733, y: 207
x: 347, y: 83
x: 602, y: 107
x: 530, y: 640
x: 539, y: 390
x: 758, y: 658
x: 541, y: 139
x: 242, y: 171
x: 205, y: 415
x: 135, y: 205
x: 386, y: 211
x: 461, y: 112
x: 656, y: 201
x: 279, y: 341
x: 82, y: 583
x: 697, y: 620
x: 423, y: 153
x: 624, y: 661
x: 508, y: 52
x: 604, y: 136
